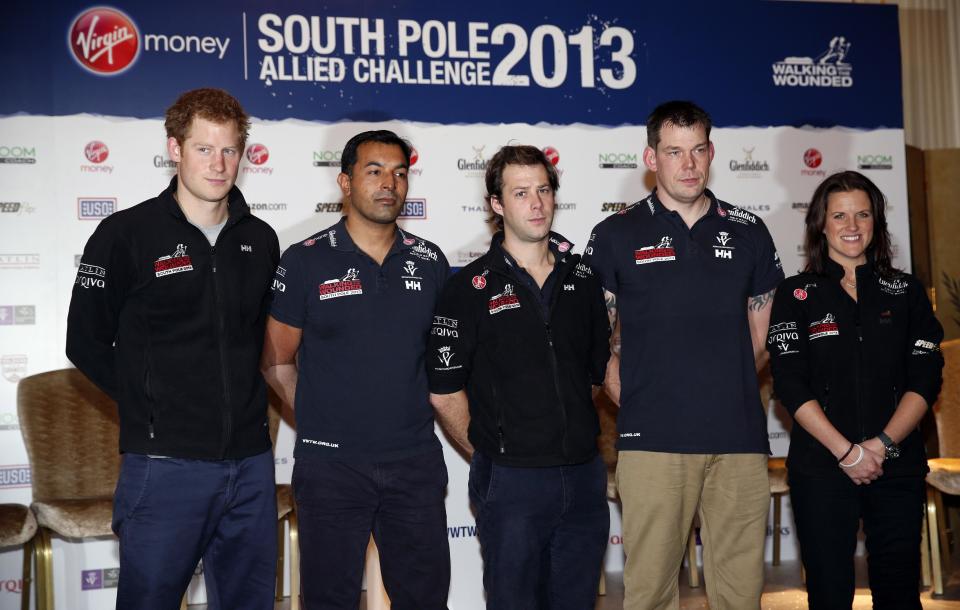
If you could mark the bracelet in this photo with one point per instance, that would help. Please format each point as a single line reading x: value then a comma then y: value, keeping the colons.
x: 844, y: 456
x: 857, y: 461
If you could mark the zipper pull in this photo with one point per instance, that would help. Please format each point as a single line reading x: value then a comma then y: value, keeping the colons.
x: 503, y: 449
x: 549, y: 335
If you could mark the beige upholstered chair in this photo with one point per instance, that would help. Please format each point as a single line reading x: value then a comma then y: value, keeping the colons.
x: 17, y: 528
x: 944, y: 476
x: 70, y: 430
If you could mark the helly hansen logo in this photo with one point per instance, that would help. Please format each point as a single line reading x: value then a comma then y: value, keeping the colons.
x: 569, y: 287
x: 412, y: 284
x: 246, y: 248
x: 723, y: 251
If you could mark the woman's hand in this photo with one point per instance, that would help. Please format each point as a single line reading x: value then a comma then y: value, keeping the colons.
x: 863, y: 468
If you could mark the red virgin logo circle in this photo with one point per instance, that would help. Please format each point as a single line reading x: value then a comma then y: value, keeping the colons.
x: 552, y: 154
x: 104, y: 41
x: 812, y: 158
x: 257, y: 154
x: 414, y: 156
x: 96, y: 152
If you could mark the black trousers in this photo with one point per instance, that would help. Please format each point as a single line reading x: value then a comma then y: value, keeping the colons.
x: 401, y: 502
x: 828, y: 511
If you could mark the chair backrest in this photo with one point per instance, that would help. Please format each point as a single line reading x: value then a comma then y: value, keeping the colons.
x: 947, y: 408
x: 70, y: 429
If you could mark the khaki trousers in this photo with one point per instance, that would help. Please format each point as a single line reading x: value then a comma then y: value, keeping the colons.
x: 660, y: 492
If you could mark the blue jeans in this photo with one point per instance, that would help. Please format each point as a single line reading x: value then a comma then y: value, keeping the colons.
x: 543, y: 533
x: 170, y: 512
x: 401, y: 502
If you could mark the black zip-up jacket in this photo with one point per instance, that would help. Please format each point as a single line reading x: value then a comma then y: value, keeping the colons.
x: 855, y: 358
x: 528, y: 379
x: 172, y: 328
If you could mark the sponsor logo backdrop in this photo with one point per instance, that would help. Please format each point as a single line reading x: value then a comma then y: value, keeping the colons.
x: 786, y: 88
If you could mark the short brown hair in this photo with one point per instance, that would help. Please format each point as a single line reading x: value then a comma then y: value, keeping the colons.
x: 678, y: 113
x: 514, y: 155
x: 211, y: 104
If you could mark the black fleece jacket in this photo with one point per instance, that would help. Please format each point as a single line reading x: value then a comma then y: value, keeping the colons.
x: 856, y: 358
x: 172, y: 328
x: 528, y: 378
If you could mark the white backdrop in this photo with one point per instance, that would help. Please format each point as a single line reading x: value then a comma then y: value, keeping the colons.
x: 51, y: 200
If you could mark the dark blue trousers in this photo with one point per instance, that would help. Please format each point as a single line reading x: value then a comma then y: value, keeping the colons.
x: 828, y: 511
x: 543, y: 533
x: 401, y: 502
x: 168, y: 513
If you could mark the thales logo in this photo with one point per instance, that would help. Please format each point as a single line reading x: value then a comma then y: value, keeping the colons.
x: 96, y: 151
x: 826, y: 70
x: 104, y: 41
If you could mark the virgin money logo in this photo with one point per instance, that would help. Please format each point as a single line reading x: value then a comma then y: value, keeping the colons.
x: 96, y: 152
x: 813, y: 160
x: 414, y: 157
x: 552, y: 154
x: 257, y: 154
x: 104, y: 41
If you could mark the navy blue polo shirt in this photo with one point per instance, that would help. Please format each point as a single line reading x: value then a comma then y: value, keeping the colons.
x: 688, y: 379
x: 362, y: 387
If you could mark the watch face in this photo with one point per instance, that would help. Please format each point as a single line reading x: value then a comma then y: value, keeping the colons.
x: 893, y: 451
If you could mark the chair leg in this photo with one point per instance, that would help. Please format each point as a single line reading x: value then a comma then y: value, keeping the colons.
x: 27, y: 579
x: 776, y: 528
x: 932, y: 521
x: 44, y: 554
x: 693, y: 574
x: 281, y: 538
x: 942, y: 528
x: 602, y: 589
x: 294, y: 561
x: 924, y: 553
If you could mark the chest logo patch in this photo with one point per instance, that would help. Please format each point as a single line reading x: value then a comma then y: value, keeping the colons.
x: 503, y: 301
x: 660, y: 253
x: 896, y: 286
x: 723, y: 251
x: 178, y: 262
x: 345, y: 286
x: 479, y: 281
x: 827, y: 327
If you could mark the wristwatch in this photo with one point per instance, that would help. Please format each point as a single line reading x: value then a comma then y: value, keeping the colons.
x: 893, y: 449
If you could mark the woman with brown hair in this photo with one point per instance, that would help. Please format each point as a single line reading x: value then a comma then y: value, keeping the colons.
x: 855, y: 355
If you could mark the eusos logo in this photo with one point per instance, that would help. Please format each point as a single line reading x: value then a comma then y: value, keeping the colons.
x: 104, y: 41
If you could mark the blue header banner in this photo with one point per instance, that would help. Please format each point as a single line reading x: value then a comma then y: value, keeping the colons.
x: 601, y: 63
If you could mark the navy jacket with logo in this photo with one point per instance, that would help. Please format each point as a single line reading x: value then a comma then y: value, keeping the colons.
x: 172, y: 328
x: 856, y: 358
x: 528, y: 379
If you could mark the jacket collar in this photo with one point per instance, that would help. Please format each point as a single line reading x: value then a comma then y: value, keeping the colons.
x: 501, y: 260
x: 401, y: 239
x: 236, y: 205
x: 656, y: 207
x: 836, y: 271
